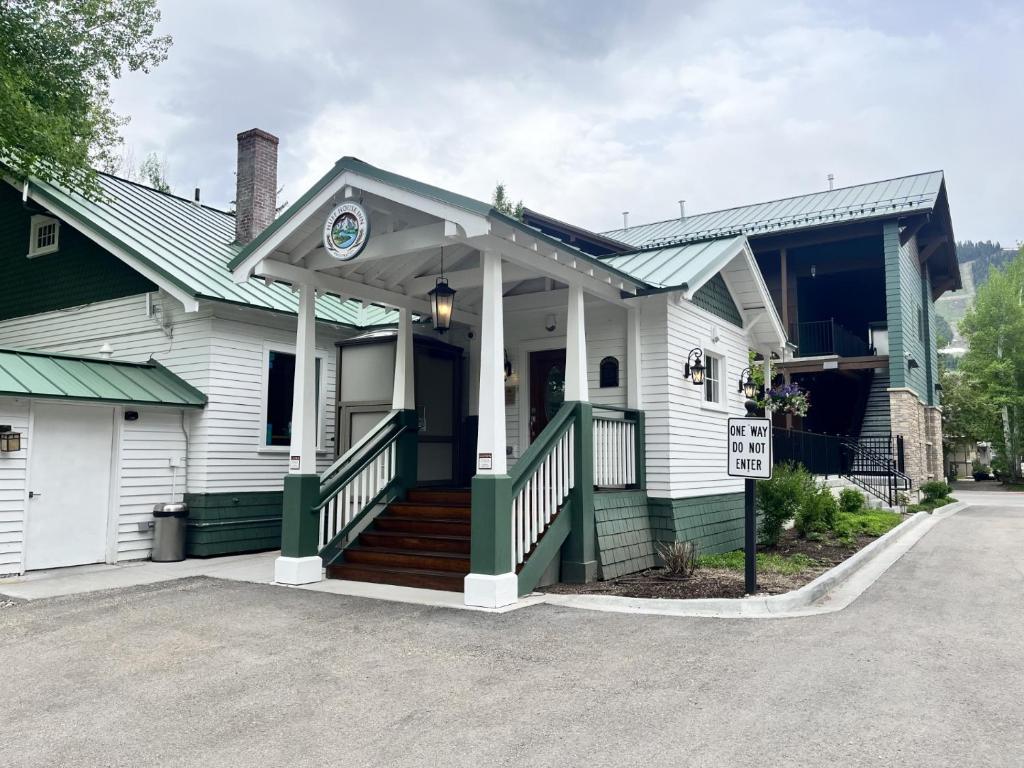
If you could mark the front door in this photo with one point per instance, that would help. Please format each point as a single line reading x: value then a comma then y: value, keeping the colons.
x: 547, y: 388
x: 69, y: 481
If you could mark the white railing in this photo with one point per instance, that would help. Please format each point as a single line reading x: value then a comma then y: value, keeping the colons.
x: 358, y: 493
x: 539, y: 498
x: 614, y: 452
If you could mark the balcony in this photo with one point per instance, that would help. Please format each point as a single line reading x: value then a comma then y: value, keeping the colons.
x: 827, y: 337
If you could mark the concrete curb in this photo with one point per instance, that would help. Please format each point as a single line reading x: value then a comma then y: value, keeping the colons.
x: 830, y: 592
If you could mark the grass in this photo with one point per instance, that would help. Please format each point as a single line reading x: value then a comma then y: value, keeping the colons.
x: 929, y: 505
x: 867, y: 522
x: 766, y: 562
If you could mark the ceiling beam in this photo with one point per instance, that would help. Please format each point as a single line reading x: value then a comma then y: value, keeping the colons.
x: 912, y: 227
x: 467, y: 278
x: 930, y: 247
x: 348, y: 289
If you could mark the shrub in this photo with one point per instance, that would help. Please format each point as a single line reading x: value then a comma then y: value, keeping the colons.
x: 680, y: 557
x: 851, y: 500
x: 934, y: 490
x: 780, y: 498
x: 819, y: 513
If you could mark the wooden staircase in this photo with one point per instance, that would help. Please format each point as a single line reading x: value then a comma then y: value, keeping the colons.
x: 420, y: 542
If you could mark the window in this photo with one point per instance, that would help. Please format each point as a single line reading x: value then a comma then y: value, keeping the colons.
x: 609, y: 372
x: 712, y: 378
x: 44, y: 237
x: 280, y: 378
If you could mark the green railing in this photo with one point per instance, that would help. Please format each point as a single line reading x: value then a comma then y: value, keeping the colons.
x: 376, y: 470
x: 619, y: 443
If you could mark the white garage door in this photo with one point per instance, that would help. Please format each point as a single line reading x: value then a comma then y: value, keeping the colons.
x: 70, y: 454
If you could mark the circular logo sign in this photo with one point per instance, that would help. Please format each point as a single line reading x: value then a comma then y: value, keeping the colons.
x: 346, y: 231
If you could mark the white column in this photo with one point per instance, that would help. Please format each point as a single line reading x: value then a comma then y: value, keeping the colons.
x: 634, y: 395
x: 474, y: 372
x: 490, y: 441
x: 303, y: 442
x: 767, y: 378
x: 403, y: 397
x: 576, y: 348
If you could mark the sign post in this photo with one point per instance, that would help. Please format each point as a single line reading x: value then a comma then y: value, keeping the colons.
x: 750, y: 457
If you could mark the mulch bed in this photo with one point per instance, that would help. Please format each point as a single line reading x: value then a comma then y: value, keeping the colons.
x: 722, y: 582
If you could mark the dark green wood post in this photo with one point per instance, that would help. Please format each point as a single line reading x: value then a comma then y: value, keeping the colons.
x: 407, y: 458
x: 579, y: 553
x: 491, y: 527
x: 300, y: 517
x: 641, y: 451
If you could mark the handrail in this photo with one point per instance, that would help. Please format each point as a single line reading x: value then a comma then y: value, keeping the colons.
x: 542, y: 481
x: 359, y: 480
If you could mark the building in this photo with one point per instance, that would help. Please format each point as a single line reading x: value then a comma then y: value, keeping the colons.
x: 311, y: 387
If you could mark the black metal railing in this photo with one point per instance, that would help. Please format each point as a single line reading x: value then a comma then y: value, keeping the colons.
x: 874, y: 472
x: 827, y: 337
x: 820, y: 454
x: 874, y: 464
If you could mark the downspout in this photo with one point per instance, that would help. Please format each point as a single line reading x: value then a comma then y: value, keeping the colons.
x: 184, y: 431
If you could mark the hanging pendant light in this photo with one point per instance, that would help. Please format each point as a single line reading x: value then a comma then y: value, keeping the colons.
x: 442, y: 300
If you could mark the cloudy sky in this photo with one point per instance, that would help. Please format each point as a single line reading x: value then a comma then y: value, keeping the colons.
x: 587, y: 108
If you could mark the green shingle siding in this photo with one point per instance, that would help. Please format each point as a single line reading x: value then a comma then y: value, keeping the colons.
x: 79, y: 272
x: 232, y: 523
x: 714, y: 522
x: 625, y: 543
x: 907, y: 293
x: 714, y: 297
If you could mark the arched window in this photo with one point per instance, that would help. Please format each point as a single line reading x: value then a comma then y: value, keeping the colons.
x: 609, y: 372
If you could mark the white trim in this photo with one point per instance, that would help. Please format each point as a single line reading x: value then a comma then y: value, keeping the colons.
x: 38, y: 221
x: 114, y: 514
x: 486, y: 591
x: 722, y: 403
x: 288, y: 349
x: 298, y: 570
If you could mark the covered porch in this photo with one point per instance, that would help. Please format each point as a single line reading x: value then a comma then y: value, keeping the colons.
x: 522, y: 430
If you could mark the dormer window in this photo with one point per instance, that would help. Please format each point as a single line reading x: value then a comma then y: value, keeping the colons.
x: 44, y: 237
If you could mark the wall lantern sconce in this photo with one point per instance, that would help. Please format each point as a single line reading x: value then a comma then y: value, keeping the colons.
x: 9, y: 441
x: 814, y: 270
x: 694, y: 368
x: 938, y: 388
x: 912, y: 364
x: 747, y: 386
x: 550, y: 323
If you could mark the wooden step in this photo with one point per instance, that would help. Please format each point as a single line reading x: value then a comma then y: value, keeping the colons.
x: 422, y: 542
x: 407, y: 558
x: 428, y: 511
x: 403, y: 577
x: 417, y: 525
x: 457, y: 496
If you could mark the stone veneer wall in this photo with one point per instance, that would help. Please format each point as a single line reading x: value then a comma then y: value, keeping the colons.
x: 921, y: 427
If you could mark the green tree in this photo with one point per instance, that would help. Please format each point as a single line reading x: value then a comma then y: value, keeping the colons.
x: 993, y: 368
x: 58, y: 59
x: 153, y: 171
x: 503, y: 203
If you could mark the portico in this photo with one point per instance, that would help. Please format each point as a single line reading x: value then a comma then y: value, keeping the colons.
x: 501, y: 271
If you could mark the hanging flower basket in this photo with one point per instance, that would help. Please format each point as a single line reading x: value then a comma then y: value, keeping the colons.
x: 788, y: 399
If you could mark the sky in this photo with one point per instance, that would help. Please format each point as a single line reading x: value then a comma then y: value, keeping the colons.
x: 586, y: 108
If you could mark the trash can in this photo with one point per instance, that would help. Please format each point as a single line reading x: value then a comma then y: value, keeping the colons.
x: 169, y: 532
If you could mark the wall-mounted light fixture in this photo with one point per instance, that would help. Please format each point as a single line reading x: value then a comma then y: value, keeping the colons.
x: 10, y: 441
x: 814, y: 271
x: 747, y: 386
x: 694, y: 368
x: 550, y: 323
x: 938, y: 387
x: 912, y: 364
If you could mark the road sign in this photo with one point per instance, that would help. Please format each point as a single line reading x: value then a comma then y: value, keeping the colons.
x: 750, y: 448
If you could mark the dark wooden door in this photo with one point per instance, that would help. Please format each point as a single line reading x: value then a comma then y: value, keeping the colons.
x: 547, y: 387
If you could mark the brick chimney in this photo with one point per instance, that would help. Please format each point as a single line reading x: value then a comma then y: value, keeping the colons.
x: 256, y: 184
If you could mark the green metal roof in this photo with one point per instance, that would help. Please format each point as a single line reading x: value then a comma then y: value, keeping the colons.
x: 63, y: 377
x: 679, y: 266
x: 189, y: 245
x: 355, y: 165
x: 880, y: 199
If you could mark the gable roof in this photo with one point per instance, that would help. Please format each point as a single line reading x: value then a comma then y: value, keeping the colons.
x: 183, y: 245
x: 879, y: 199
x: 679, y: 266
x: 66, y: 377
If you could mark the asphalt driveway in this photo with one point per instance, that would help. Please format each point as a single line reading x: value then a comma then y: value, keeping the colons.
x: 925, y: 669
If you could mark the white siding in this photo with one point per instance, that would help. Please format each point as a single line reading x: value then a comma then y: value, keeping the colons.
x: 686, y: 438
x: 145, y: 475
x: 12, y: 487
